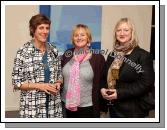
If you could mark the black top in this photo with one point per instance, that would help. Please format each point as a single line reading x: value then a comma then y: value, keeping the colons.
x: 136, y: 79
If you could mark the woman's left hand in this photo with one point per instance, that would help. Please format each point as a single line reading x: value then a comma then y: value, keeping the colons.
x: 58, y: 86
x: 112, y: 96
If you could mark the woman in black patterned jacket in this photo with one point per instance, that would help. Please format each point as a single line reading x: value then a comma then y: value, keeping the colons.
x: 37, y: 73
x: 128, y: 75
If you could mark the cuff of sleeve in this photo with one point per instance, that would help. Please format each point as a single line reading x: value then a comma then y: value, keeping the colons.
x: 18, y: 85
x: 59, y: 81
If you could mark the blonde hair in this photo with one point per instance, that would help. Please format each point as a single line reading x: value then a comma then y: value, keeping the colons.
x: 134, y: 38
x: 87, y: 30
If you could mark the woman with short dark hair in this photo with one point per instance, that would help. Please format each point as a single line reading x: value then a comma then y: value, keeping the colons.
x: 37, y: 73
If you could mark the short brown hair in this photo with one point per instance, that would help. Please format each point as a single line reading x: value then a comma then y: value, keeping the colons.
x: 37, y: 20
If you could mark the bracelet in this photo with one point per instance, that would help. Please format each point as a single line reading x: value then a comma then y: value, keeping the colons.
x: 59, y: 81
x: 29, y: 85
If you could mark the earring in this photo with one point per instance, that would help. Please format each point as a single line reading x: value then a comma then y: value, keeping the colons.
x: 88, y: 44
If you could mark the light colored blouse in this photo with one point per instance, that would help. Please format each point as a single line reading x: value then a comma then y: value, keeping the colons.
x: 85, y: 79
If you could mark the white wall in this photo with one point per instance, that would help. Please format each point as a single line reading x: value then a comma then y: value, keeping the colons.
x: 16, y: 34
x: 140, y: 15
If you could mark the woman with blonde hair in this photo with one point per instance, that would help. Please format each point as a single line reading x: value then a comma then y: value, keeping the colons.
x: 128, y: 75
x: 81, y: 72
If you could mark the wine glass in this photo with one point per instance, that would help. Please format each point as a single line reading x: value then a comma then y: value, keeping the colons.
x: 109, y: 92
x: 112, y: 82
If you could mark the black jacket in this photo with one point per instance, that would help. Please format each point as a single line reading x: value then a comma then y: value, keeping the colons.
x: 136, y: 79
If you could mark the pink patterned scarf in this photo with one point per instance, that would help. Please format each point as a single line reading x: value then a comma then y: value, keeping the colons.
x: 73, y: 92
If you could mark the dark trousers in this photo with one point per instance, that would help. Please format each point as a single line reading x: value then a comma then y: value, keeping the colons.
x: 82, y: 112
x: 112, y: 112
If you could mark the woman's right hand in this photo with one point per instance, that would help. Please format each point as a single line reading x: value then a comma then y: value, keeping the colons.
x: 104, y: 93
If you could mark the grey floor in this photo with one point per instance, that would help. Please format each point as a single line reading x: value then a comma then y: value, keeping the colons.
x: 12, y: 114
x: 15, y: 114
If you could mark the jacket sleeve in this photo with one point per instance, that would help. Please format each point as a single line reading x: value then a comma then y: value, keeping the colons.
x: 68, y: 54
x: 143, y: 84
x: 18, y: 74
x: 59, y: 69
x: 103, y: 84
x: 104, y: 73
